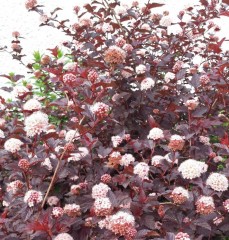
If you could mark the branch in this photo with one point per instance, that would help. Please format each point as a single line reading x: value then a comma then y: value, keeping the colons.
x: 57, y: 168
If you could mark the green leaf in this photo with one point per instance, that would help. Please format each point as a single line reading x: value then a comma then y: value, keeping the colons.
x: 37, y: 56
x: 11, y: 74
x: 59, y: 54
x: 36, y: 66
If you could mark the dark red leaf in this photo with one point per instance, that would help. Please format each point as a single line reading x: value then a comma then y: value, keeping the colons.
x: 226, y: 13
x: 221, y: 42
x: 154, y: 5
x: 54, y: 51
x: 55, y: 10
x: 53, y: 70
x: 221, y: 68
x: 225, y: 139
x: 214, y: 47
x: 204, y: 2
x: 89, y: 8
x: 152, y: 122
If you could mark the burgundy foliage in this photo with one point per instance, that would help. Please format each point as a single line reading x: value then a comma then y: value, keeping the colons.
x: 125, y: 85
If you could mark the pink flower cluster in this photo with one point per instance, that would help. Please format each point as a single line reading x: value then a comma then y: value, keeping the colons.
x: 102, y: 206
x: 115, y: 55
x: 72, y: 210
x: 204, y: 80
x: 122, y: 224
x: 33, y: 197
x: 182, y: 236
x: 69, y: 78
x: 29, y: 4
x: 179, y: 195
x: 19, y: 91
x: 100, y: 190
x: 93, y: 75
x: 192, y: 104
x: 205, y: 205
x: 15, y: 186
x: 226, y: 205
x: 176, y: 142
x: 24, y: 164
x: 57, y: 212
x: 100, y: 109
x: 177, y: 66
x: 169, y: 76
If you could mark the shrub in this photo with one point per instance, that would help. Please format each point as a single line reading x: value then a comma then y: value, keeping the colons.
x: 121, y: 133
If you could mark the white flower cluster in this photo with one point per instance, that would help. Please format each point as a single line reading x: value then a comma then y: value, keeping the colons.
x: 2, y: 106
x: 204, y: 140
x: 176, y: 137
x: 142, y: 170
x: 155, y: 134
x: 83, y: 152
x: 156, y: 160
x: 36, y: 123
x: 47, y: 163
x: 166, y: 21
x: 208, y: 201
x: 120, y: 10
x: 72, y: 210
x: 217, y: 182
x: 19, y: 91
x: 118, y: 223
x: 13, y: 145
x: 116, y: 140
x: 106, y: 27
x: 127, y: 72
x: 63, y: 236
x: 2, y: 135
x: 169, y: 76
x: 14, y: 186
x: 147, y: 83
x: 141, y: 69
x: 72, y: 135
x: 32, y: 105
x: 100, y: 190
x: 102, y: 206
x: 180, y: 191
x: 126, y: 159
x: 191, y: 168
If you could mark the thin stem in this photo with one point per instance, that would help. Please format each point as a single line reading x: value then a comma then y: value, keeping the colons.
x: 57, y: 168
x: 113, y: 13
